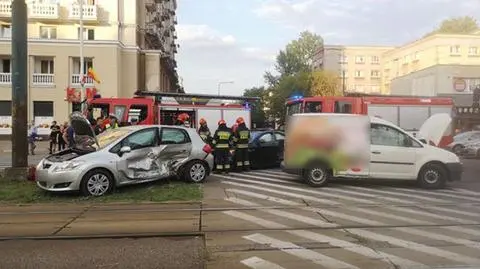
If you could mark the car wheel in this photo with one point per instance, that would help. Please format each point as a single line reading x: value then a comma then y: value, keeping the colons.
x: 97, y: 182
x: 196, y: 172
x: 457, y: 149
x: 433, y: 176
x: 317, y: 175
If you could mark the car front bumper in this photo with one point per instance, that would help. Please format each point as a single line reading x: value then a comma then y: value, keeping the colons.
x: 64, y: 181
x: 455, y: 171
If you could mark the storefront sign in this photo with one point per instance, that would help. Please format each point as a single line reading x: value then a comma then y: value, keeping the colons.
x: 459, y: 85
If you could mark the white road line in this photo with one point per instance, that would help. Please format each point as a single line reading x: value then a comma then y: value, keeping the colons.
x: 391, y: 199
x: 455, y: 211
x: 290, y: 194
x: 352, y: 247
x: 299, y: 252
x: 287, y: 177
x: 396, y: 194
x: 253, y: 219
x: 415, y: 246
x: 280, y: 173
x: 474, y: 193
x: 456, y: 196
x: 264, y: 197
x: 285, y: 214
x: 432, y: 215
x: 258, y: 263
x: 338, y: 196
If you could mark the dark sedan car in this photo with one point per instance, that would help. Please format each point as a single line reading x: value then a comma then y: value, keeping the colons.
x: 266, y: 148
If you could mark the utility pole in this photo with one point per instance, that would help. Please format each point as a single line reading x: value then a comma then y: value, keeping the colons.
x: 82, y: 60
x: 19, y: 84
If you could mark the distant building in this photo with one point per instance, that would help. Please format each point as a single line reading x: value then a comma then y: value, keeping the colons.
x: 129, y: 44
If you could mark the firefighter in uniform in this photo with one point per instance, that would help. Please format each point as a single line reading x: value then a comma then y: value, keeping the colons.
x: 204, y: 132
x: 222, y: 140
x: 241, y: 138
x: 182, y: 119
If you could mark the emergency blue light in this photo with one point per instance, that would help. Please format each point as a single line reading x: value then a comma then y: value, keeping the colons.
x: 246, y: 105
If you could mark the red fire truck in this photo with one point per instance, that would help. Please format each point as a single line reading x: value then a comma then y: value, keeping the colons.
x: 409, y: 113
x: 163, y: 108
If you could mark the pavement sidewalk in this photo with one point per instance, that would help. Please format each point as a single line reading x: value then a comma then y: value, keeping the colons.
x: 100, y: 220
x: 42, y: 146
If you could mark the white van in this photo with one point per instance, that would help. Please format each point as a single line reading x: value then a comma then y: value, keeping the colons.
x: 388, y: 151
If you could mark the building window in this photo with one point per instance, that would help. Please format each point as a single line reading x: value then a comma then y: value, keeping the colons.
x: 375, y: 60
x: 42, y: 108
x: 455, y: 50
x: 87, y: 63
x: 359, y: 60
x: 6, y: 66
x: 343, y: 59
x: 358, y: 74
x: 473, y: 51
x: 375, y: 73
x: 47, y: 67
x: 375, y: 89
x: 47, y: 32
x: 6, y: 31
x: 88, y: 34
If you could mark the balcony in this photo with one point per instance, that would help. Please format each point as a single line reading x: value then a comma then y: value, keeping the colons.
x: 43, y: 79
x: 76, y: 80
x: 43, y: 11
x: 5, y: 78
x: 89, y: 12
x: 5, y: 8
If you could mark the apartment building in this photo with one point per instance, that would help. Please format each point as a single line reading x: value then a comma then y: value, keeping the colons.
x: 359, y: 68
x: 435, y: 65
x: 130, y: 45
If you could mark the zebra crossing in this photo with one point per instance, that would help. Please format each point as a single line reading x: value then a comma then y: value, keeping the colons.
x: 347, y: 225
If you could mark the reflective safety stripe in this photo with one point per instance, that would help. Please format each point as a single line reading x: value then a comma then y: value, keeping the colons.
x: 242, y: 146
x: 224, y: 135
x: 227, y: 166
x: 219, y: 166
x: 222, y: 146
x: 235, y: 139
x: 214, y: 141
x: 246, y: 163
x: 239, y: 163
x: 203, y: 136
x: 244, y: 135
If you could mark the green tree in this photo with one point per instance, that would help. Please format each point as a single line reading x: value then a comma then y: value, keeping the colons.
x: 457, y: 25
x: 258, y: 113
x: 325, y: 83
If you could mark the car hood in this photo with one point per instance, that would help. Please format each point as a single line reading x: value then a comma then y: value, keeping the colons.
x: 84, y: 132
x: 434, y: 128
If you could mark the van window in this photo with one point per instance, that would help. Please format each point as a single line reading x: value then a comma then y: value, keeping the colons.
x: 383, y: 135
x: 343, y: 107
x: 119, y: 111
x: 313, y: 107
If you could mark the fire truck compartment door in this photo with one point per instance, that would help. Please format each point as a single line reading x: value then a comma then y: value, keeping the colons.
x: 212, y: 116
x: 231, y: 115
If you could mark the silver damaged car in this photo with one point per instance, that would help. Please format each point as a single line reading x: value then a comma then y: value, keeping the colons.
x: 124, y: 156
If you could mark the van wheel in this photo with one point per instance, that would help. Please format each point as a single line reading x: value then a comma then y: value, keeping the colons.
x: 97, y: 182
x: 196, y: 172
x: 433, y: 176
x: 317, y: 175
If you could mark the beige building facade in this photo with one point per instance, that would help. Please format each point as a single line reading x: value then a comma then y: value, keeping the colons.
x: 129, y: 44
x: 429, y: 66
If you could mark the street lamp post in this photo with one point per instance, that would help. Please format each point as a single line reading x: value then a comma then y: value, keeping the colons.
x: 223, y: 82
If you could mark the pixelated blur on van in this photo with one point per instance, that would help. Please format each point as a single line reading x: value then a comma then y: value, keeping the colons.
x: 321, y: 147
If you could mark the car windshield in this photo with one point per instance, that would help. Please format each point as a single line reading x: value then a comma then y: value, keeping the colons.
x: 110, y: 136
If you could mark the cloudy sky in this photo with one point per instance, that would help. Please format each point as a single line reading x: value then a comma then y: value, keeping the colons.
x: 237, y: 40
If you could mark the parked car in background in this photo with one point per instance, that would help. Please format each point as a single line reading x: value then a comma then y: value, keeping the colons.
x: 124, y: 156
x: 462, y: 139
x: 470, y: 149
x: 266, y: 148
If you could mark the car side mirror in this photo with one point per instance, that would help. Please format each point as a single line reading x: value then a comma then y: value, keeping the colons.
x: 125, y: 149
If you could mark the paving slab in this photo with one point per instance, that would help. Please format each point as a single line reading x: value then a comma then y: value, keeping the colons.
x: 37, y: 218
x: 29, y: 229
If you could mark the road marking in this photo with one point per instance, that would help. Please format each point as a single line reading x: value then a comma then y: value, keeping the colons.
x: 299, y: 252
x: 456, y: 211
x: 291, y: 178
x: 324, y: 201
x: 280, y: 173
x: 456, y: 196
x: 410, y: 196
x: 264, y: 197
x: 415, y: 246
x: 284, y: 214
x: 474, y: 193
x: 432, y: 215
x: 349, y: 246
x: 338, y: 196
x: 391, y: 199
x: 258, y: 263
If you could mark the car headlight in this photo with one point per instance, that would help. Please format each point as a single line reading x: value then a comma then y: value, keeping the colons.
x: 67, y: 166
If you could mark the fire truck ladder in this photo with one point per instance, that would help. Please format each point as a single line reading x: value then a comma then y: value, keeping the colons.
x: 159, y: 95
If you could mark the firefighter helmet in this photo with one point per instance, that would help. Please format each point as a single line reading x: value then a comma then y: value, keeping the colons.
x: 203, y: 121
x: 240, y: 120
x: 220, y: 122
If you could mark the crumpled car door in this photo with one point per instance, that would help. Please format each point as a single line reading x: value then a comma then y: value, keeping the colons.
x: 143, y: 164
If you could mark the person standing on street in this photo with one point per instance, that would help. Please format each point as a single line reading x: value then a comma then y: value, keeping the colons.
x: 54, y: 131
x: 221, y: 142
x: 69, y: 136
x: 204, y: 132
x: 61, y: 142
x: 32, y: 137
x: 241, y: 139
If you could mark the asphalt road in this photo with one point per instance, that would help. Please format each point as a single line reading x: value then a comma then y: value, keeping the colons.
x: 146, y: 253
